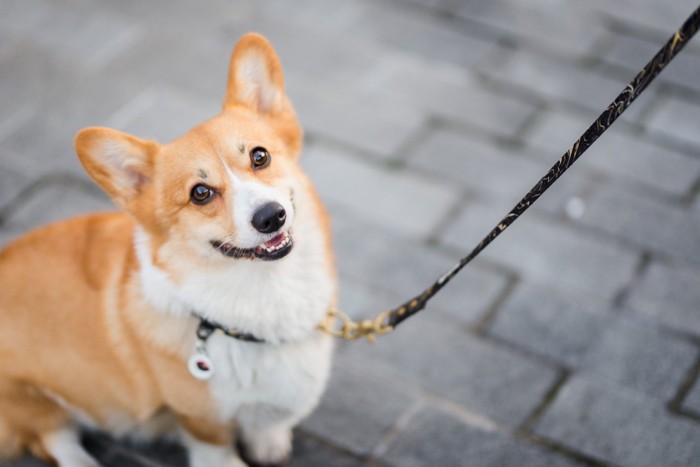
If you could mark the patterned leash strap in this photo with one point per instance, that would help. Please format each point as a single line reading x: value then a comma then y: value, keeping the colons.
x: 388, y: 320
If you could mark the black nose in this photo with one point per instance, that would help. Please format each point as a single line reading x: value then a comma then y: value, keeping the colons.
x: 269, y: 218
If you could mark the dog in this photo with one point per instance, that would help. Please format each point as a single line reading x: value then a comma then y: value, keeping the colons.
x: 194, y: 310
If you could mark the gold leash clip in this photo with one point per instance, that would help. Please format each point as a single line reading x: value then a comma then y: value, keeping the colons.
x: 340, y: 325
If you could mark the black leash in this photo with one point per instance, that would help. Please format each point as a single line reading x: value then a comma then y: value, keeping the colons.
x: 388, y: 320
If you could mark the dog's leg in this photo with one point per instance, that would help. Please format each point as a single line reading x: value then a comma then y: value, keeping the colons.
x: 266, y: 433
x: 64, y: 446
x: 209, y: 445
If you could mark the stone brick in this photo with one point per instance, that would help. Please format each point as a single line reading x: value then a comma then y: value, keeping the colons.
x: 16, y: 173
x: 654, y: 225
x: 559, y: 327
x: 389, y: 262
x: 356, y: 412
x: 572, y: 29
x: 669, y: 294
x: 378, y: 126
x: 450, y: 94
x: 85, y: 34
x: 163, y: 114
x: 619, y: 426
x: 556, y: 79
x: 422, y: 36
x: 395, y: 199
x: 430, y: 352
x: 657, y: 15
x: 480, y: 166
x: 56, y: 201
x: 546, y: 251
x: 675, y: 118
x: 634, y: 52
x: 455, y: 443
x: 636, y: 354
x: 617, y: 153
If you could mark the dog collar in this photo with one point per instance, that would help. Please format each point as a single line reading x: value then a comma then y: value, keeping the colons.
x: 199, y: 364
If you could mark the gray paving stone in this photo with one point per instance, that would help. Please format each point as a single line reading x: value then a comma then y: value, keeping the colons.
x: 422, y: 35
x: 24, y: 17
x: 692, y: 400
x: 636, y: 354
x: 675, y: 117
x: 455, y: 443
x: 619, y: 426
x: 392, y: 263
x: 658, y: 15
x: 163, y: 114
x: 451, y: 94
x: 669, y: 294
x: 53, y: 202
x: 356, y: 412
x: 546, y: 251
x: 559, y: 327
x: 378, y: 126
x: 480, y: 166
x: 625, y: 156
x: 86, y: 35
x: 555, y: 79
x: 395, y: 199
x: 633, y: 53
x: 429, y: 352
x: 571, y: 29
x: 654, y: 225
x: 16, y: 173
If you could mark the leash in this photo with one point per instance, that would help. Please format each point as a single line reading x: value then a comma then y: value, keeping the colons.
x: 341, y: 325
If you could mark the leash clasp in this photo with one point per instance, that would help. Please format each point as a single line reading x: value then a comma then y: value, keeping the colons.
x: 340, y: 325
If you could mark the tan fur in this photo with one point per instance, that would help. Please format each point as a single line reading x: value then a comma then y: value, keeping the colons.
x: 75, y: 329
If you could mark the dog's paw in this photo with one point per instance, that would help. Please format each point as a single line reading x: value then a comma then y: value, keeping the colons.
x: 272, y: 447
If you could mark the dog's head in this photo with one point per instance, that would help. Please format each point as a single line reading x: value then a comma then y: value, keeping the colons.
x: 225, y: 188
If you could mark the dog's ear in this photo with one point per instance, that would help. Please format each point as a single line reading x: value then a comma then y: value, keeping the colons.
x: 255, y: 77
x: 120, y: 163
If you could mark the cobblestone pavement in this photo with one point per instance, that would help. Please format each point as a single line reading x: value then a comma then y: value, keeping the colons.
x: 574, y: 339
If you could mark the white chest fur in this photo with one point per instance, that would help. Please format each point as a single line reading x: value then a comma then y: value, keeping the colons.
x: 289, y: 377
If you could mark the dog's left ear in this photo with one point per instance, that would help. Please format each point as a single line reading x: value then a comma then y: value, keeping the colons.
x: 255, y: 81
x: 255, y: 77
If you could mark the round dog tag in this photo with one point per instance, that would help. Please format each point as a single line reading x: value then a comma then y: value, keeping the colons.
x: 200, y: 366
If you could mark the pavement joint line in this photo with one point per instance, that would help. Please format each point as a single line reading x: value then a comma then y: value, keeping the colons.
x: 620, y: 298
x: 457, y: 207
x: 558, y: 448
x: 546, y: 402
x: 482, y: 324
x: 331, y: 445
x: 692, y: 377
x: 395, y: 430
x: 542, y: 359
x: 410, y: 145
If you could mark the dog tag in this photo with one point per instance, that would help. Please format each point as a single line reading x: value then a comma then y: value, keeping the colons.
x: 200, y: 366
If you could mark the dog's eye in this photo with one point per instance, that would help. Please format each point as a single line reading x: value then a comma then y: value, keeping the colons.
x: 201, y: 194
x: 260, y: 157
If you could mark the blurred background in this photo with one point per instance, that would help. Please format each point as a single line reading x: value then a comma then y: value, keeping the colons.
x: 573, y: 340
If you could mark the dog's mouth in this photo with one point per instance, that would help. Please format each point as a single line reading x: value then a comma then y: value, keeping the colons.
x: 276, y: 248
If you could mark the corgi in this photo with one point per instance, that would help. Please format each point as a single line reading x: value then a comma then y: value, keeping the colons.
x: 194, y: 310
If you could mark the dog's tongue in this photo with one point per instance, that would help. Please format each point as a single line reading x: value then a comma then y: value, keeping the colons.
x: 275, y: 241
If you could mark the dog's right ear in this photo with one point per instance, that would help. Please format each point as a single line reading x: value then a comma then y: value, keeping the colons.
x: 120, y: 163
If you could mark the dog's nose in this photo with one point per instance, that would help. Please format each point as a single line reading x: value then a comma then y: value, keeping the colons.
x: 269, y: 218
